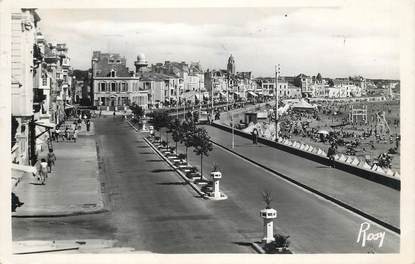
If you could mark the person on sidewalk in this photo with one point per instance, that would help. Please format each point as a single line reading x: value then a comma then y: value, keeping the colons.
x: 43, y: 171
x: 15, y: 202
x: 88, y: 125
x: 51, y: 159
x: 75, y: 135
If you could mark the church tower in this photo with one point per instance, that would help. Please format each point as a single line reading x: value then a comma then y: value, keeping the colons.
x: 231, y: 65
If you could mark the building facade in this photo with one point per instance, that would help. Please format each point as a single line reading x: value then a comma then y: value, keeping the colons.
x: 114, y: 86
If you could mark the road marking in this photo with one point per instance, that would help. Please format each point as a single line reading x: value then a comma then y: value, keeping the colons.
x: 283, y: 177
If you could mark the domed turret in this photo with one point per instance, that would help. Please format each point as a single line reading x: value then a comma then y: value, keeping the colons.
x: 141, y: 62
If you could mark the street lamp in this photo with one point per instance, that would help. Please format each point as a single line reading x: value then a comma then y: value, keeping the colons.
x: 277, y: 72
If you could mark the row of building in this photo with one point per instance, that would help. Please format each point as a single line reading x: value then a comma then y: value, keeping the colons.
x: 41, y: 85
x: 170, y: 83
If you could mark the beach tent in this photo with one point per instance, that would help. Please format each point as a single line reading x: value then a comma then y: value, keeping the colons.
x: 336, y: 157
x: 342, y: 158
x: 355, y: 162
x: 374, y: 167
x: 302, y: 106
x: 366, y: 166
x: 396, y: 174
x: 379, y: 170
x: 389, y: 172
x: 302, y: 146
x: 311, y: 149
x: 307, y: 147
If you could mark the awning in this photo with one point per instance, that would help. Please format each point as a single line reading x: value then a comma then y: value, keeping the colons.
x: 45, y: 123
x: 253, y: 94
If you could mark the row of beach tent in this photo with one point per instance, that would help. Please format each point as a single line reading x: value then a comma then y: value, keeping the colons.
x: 350, y: 160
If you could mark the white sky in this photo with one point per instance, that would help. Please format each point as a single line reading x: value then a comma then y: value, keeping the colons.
x: 337, y: 42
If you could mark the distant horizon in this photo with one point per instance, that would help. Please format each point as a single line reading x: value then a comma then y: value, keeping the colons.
x: 302, y: 40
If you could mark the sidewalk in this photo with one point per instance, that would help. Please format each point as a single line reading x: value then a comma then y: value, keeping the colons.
x: 375, y: 199
x: 72, y: 188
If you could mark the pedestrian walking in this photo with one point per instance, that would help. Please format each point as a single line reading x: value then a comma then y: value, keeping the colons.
x: 51, y: 158
x: 113, y: 115
x: 57, y: 134
x: 330, y: 154
x: 88, y: 124
x: 75, y: 135
x: 43, y: 171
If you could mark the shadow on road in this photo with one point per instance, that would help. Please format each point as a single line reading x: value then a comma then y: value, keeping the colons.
x: 146, y: 153
x: 172, y: 183
x: 154, y: 160
x: 161, y: 170
x: 143, y: 147
x: 246, y: 244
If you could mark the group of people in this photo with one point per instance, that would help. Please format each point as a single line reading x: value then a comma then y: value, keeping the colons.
x: 44, y: 167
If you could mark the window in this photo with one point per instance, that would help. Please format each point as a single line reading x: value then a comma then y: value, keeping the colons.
x: 113, y: 73
x: 113, y: 87
x: 102, y: 86
x: 126, y: 87
x: 123, y: 87
x: 111, y: 61
x: 118, y: 61
x: 44, y: 81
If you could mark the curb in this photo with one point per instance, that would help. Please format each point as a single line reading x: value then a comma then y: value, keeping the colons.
x: 257, y: 248
x: 318, y: 193
x: 75, y: 213
x: 202, y: 194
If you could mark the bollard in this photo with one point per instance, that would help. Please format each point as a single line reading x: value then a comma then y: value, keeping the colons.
x: 268, y: 214
x: 216, y: 176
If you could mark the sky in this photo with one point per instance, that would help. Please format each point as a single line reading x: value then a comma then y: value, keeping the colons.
x: 335, y: 41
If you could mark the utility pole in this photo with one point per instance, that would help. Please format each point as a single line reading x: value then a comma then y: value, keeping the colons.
x: 277, y: 72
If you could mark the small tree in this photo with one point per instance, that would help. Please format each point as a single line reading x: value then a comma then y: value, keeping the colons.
x: 138, y: 112
x: 202, y: 146
x: 177, y: 130
x: 159, y: 119
x: 266, y: 196
x: 188, y: 130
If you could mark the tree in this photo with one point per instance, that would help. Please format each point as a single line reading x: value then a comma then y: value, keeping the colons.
x: 202, y: 146
x: 138, y: 112
x: 188, y: 130
x: 330, y: 82
x: 177, y: 131
x: 159, y: 119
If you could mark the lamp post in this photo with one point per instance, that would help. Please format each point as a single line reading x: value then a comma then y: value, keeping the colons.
x: 277, y: 72
x: 177, y: 102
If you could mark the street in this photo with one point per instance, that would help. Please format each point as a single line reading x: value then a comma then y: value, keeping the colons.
x: 151, y: 209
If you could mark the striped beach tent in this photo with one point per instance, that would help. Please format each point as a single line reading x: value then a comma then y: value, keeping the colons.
x: 342, y: 158
x: 365, y: 166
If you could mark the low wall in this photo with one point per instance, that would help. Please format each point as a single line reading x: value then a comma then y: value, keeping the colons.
x: 391, y: 182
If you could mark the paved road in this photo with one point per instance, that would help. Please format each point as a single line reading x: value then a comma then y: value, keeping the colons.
x: 314, y: 225
x: 375, y: 199
x: 152, y: 211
